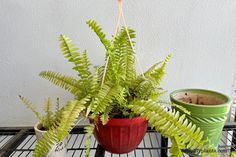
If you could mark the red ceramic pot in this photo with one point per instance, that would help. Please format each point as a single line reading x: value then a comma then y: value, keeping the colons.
x: 120, y: 135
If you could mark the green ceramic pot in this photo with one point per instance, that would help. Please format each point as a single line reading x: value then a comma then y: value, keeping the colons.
x: 208, y: 109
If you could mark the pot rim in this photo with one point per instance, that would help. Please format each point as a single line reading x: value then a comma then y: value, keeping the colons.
x: 36, y: 128
x: 124, y: 121
x: 202, y: 91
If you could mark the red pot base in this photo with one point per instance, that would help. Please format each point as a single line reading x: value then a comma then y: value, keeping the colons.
x: 121, y: 135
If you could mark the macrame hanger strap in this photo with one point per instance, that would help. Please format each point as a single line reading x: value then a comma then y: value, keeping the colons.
x: 131, y: 44
x: 121, y: 16
x: 120, y: 3
x: 115, y: 33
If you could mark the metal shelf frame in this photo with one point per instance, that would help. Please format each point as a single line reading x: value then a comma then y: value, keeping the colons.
x: 21, y: 141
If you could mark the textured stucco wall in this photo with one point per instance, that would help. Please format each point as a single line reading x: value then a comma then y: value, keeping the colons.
x: 201, y: 35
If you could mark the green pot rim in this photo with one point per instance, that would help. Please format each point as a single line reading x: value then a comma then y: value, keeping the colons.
x: 202, y: 91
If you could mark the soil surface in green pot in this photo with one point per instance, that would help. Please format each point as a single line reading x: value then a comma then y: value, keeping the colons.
x: 208, y: 109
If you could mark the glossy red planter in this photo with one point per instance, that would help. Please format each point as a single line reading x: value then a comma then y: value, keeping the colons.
x: 121, y: 135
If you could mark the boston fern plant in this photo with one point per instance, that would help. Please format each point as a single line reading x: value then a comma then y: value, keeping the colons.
x: 49, y: 118
x: 57, y: 124
x: 116, y: 90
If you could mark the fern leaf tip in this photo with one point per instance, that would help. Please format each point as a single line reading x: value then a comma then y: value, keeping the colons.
x: 89, y: 21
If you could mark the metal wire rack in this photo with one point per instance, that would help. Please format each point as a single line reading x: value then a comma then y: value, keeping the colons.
x: 20, y: 142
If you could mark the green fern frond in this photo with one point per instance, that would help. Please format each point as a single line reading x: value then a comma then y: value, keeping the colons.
x: 59, y: 111
x: 156, y: 94
x: 89, y: 131
x: 125, y: 55
x: 45, y: 143
x: 156, y: 73
x: 159, y: 73
x: 70, y: 115
x: 82, y: 64
x: 147, y: 86
x: 56, y: 134
x: 58, y: 104
x: 121, y: 60
x: 105, y: 116
x: 98, y: 30
x: 103, y: 101
x: 151, y: 69
x: 83, y: 67
x: 68, y: 49
x: 112, y: 68
x: 233, y: 153
x: 145, y: 89
x: 95, y: 82
x: 136, y: 82
x: 67, y: 82
x: 49, y: 116
x: 175, y: 149
x: 184, y: 110
x: 167, y: 59
x: 171, y: 124
x: 29, y: 105
x: 105, y: 98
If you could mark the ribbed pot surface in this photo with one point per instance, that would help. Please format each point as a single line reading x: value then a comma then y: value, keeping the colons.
x: 208, y: 109
x: 121, y: 135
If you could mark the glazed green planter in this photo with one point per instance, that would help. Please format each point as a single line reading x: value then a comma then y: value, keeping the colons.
x: 208, y: 109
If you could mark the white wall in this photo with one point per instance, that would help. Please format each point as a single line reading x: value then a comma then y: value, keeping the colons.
x: 201, y: 35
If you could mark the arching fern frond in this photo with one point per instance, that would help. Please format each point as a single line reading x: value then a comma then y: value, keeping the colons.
x: 89, y: 131
x: 70, y: 115
x: 181, y: 108
x: 61, y: 128
x: 158, y: 74
x: 82, y: 64
x: 49, y: 117
x: 145, y: 89
x: 148, y: 86
x: 121, y: 64
x: 67, y: 82
x: 29, y: 105
x: 68, y: 49
x: 103, y: 99
x: 45, y: 143
x: 112, y: 74
x: 106, y: 96
x: 151, y: 69
x: 98, y: 30
x: 170, y: 124
x: 105, y: 115
x: 175, y: 149
x: 124, y: 51
x: 95, y: 84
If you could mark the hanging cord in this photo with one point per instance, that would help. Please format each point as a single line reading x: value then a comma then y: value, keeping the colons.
x: 116, y: 31
x: 121, y: 15
x: 131, y: 44
x: 105, y: 70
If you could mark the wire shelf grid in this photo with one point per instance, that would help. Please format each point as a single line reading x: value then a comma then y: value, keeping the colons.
x: 20, y: 142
